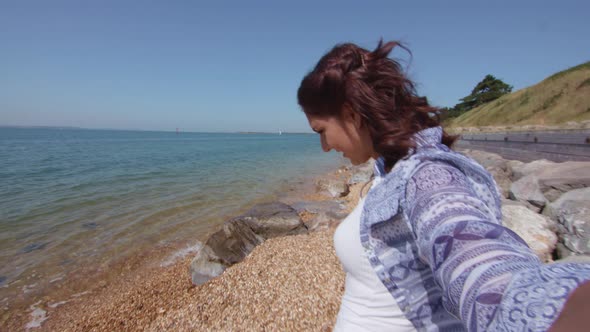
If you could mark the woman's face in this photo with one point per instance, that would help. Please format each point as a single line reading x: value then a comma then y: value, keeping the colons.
x: 346, y: 134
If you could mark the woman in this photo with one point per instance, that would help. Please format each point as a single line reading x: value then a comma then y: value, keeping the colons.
x: 425, y: 249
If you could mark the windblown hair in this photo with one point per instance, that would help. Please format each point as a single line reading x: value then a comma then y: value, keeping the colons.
x: 374, y: 86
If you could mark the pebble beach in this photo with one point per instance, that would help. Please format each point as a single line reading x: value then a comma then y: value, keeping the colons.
x: 285, y: 283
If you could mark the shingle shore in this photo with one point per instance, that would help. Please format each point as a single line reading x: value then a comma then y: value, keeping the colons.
x: 286, y: 283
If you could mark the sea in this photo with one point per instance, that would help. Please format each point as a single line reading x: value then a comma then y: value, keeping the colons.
x: 73, y: 199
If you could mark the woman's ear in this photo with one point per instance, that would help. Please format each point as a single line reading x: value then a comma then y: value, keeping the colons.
x: 353, y: 116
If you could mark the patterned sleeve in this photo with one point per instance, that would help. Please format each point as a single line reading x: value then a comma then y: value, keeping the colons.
x: 490, y: 278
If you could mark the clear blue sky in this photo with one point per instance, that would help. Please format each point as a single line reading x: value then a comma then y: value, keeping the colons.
x: 236, y: 66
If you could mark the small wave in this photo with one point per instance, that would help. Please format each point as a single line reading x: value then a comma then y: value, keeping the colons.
x: 181, y: 253
x: 38, y: 316
x: 57, y: 304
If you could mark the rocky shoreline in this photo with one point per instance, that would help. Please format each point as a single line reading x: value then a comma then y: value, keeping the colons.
x: 546, y: 203
x: 274, y: 267
x: 240, y: 235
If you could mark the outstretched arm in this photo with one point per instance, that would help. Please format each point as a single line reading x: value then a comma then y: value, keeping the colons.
x: 490, y: 278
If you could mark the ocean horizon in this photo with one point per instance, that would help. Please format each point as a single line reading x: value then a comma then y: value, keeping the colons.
x: 175, y: 130
x: 72, y: 197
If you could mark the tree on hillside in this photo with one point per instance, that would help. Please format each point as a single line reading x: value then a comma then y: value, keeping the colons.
x: 490, y: 88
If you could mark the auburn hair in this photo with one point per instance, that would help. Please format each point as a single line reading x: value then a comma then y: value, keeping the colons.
x: 374, y: 86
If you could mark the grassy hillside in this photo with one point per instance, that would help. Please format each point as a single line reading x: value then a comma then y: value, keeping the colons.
x: 560, y: 98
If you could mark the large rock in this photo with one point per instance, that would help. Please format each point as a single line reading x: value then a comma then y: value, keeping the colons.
x: 520, y: 170
x: 535, y: 229
x: 572, y: 211
x: 527, y: 205
x: 273, y: 219
x: 497, y: 166
x: 234, y: 241
x: 240, y: 235
x: 585, y: 259
x: 563, y: 177
x: 555, y: 178
x: 502, y: 178
x: 514, y: 164
x: 333, y: 187
x: 206, y: 265
x: 545, y: 181
x: 506, y: 201
x: 527, y: 190
x: 333, y: 206
x: 323, y: 221
x: 486, y: 159
x: 325, y: 214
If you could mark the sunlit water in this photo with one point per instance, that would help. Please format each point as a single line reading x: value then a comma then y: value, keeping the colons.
x: 71, y: 198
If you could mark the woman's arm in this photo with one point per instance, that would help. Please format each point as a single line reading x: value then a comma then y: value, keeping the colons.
x: 490, y: 278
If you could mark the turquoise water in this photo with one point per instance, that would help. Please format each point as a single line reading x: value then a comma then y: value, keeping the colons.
x: 72, y: 196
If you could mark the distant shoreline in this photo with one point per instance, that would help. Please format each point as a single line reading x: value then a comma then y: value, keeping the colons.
x: 273, y: 133
x: 180, y: 131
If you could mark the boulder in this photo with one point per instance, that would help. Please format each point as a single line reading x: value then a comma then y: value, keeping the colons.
x: 572, y: 212
x: 323, y: 221
x: 206, y: 265
x: 332, y: 208
x: 562, y: 252
x: 535, y: 229
x: 512, y: 165
x: 326, y: 214
x: 234, y: 241
x: 527, y: 190
x: 576, y: 259
x: 497, y: 166
x: 502, y: 178
x: 487, y: 159
x: 521, y: 170
x: 527, y: 205
x: 240, y: 235
x: 273, y: 219
x: 563, y: 177
x: 333, y: 187
x: 506, y: 201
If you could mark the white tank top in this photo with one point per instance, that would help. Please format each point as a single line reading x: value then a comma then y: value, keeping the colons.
x: 366, y: 303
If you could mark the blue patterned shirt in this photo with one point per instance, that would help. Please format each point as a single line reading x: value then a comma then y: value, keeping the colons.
x: 432, y: 231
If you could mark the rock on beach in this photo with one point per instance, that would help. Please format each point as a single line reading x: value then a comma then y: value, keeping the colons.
x: 557, y: 223
x: 240, y: 235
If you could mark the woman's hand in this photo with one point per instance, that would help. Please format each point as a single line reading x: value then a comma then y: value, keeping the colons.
x: 575, y: 315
